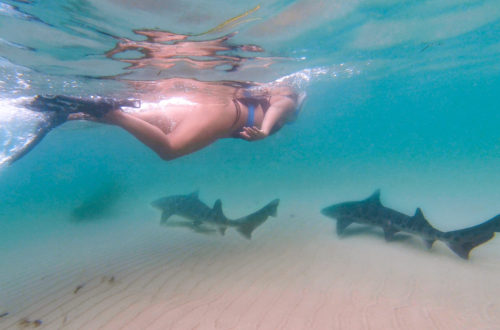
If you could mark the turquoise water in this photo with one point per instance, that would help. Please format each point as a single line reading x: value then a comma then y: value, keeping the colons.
x: 402, y: 96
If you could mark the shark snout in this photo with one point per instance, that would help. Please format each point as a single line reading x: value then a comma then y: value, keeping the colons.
x: 329, y: 211
x: 156, y: 205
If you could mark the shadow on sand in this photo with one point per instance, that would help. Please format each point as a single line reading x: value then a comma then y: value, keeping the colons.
x: 98, y: 203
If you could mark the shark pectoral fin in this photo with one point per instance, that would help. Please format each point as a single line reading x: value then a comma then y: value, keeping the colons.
x: 222, y: 230
x: 342, y: 225
x: 429, y: 243
x: 389, y: 233
x: 164, y: 217
x: 200, y: 229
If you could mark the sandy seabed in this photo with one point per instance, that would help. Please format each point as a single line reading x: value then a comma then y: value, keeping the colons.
x: 294, y: 274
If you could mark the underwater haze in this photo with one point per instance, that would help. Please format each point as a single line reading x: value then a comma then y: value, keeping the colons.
x: 402, y: 96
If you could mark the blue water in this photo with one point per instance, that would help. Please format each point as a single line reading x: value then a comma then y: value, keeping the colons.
x: 401, y: 96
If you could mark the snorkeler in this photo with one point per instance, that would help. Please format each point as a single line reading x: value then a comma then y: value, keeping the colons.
x: 183, y: 122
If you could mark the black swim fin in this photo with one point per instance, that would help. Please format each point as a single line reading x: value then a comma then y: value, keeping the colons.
x: 52, y: 120
x: 95, y: 106
x: 56, y: 110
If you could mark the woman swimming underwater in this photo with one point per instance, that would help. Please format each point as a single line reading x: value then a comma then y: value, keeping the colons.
x: 184, y: 121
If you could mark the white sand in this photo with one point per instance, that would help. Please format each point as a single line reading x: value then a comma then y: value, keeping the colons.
x: 294, y: 274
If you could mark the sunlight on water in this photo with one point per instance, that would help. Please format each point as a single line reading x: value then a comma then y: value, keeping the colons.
x: 18, y: 126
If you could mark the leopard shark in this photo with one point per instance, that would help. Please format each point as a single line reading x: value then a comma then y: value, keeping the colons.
x: 370, y: 211
x: 202, y: 218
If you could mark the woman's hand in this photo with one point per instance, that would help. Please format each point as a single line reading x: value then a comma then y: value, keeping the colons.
x: 253, y: 133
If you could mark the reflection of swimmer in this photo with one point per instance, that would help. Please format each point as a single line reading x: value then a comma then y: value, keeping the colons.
x: 185, y: 121
x: 163, y: 49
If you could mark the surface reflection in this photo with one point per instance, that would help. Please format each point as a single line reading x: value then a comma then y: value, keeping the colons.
x: 164, y: 50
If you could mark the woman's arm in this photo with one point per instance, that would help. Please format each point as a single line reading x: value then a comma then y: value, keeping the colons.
x: 281, y: 107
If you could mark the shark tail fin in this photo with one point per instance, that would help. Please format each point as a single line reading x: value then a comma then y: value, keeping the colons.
x: 272, y: 208
x: 463, y: 248
x: 491, y: 225
x: 494, y: 223
x: 217, y: 208
x: 464, y: 240
x: 246, y: 225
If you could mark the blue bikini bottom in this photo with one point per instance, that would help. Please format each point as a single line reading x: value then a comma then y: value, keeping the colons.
x: 251, y: 116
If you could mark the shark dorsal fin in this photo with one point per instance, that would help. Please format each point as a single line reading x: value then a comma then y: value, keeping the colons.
x: 219, y: 216
x: 218, y: 208
x: 375, y: 197
x: 195, y: 194
x: 419, y: 213
x: 419, y: 220
x: 419, y: 216
x: 420, y: 223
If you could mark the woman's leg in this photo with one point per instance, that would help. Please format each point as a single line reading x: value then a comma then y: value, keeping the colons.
x: 192, y: 133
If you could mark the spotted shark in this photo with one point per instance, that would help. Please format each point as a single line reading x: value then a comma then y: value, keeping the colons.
x: 370, y: 211
x: 202, y: 218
